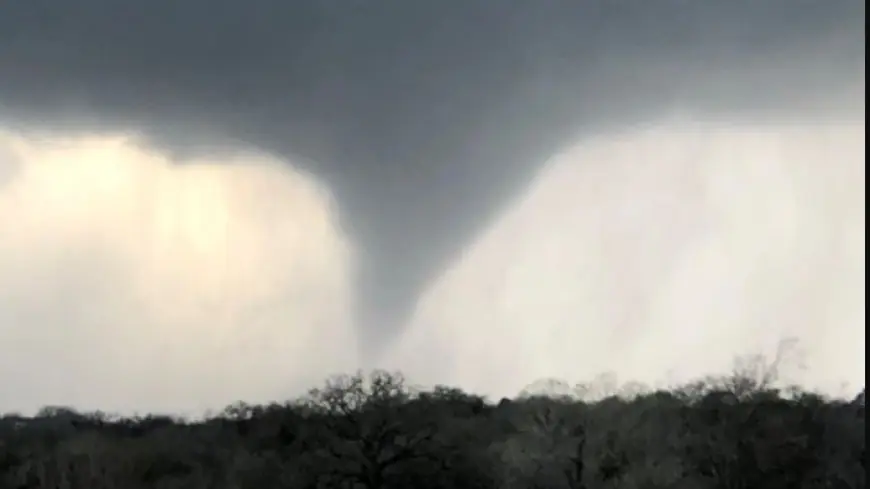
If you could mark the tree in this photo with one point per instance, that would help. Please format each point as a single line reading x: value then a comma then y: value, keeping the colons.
x: 367, y: 430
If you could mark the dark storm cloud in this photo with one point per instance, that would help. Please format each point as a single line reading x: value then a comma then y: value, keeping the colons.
x: 423, y: 116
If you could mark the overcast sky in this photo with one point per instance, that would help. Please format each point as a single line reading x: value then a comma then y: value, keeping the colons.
x: 695, y: 243
x: 130, y: 281
x: 224, y: 201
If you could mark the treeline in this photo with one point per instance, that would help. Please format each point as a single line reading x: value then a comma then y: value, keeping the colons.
x: 376, y: 431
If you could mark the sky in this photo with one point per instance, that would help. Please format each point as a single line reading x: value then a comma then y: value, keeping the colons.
x: 131, y: 282
x: 222, y: 201
x: 661, y: 255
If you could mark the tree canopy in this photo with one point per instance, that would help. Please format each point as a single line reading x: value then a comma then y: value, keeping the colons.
x: 375, y: 430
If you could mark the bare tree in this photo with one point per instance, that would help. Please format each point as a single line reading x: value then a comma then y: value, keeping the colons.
x: 365, y: 432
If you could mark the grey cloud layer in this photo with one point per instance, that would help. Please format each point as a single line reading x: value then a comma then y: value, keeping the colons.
x: 423, y: 117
